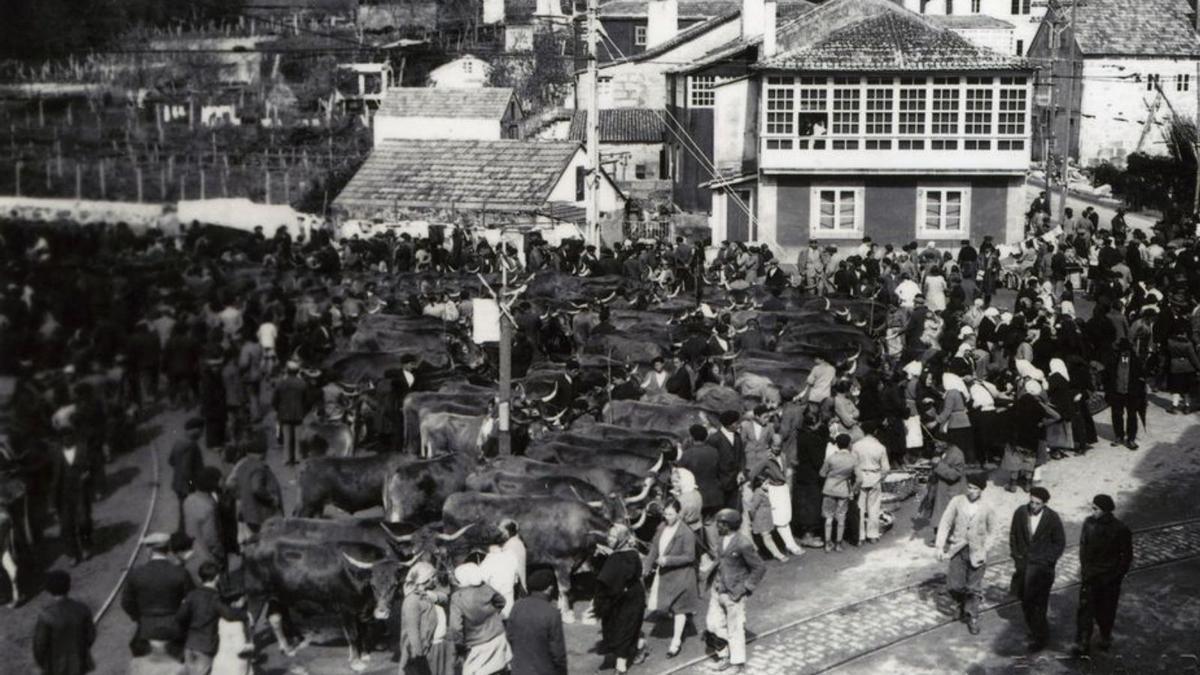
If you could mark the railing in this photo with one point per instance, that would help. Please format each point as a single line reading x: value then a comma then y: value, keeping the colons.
x: 659, y: 229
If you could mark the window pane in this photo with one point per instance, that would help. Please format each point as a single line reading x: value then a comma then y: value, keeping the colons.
x: 828, y: 209
x: 912, y: 110
x: 845, y: 111
x: 879, y: 111
x: 945, y: 111
x: 933, y: 209
x: 953, y: 211
x: 846, y: 210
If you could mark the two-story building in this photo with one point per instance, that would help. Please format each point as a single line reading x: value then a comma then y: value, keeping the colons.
x: 860, y: 118
x: 1128, y: 68
x: 1024, y: 17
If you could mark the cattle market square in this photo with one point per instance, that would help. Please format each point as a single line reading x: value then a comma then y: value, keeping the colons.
x: 618, y: 336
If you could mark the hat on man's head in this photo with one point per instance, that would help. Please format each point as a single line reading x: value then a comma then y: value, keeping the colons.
x: 729, y: 417
x: 293, y: 365
x: 731, y: 517
x: 156, y: 541
x: 1104, y: 503
x: 698, y: 432
x: 1041, y: 493
x: 541, y: 579
x: 58, y: 583
x: 978, y: 479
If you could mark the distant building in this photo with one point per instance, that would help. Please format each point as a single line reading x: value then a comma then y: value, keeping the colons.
x: 362, y: 86
x: 1136, y: 64
x: 466, y: 71
x: 1025, y: 16
x: 496, y: 182
x: 483, y: 114
x: 981, y: 30
x: 631, y: 149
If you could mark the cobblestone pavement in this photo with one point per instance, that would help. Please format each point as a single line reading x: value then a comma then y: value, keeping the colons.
x: 822, y: 642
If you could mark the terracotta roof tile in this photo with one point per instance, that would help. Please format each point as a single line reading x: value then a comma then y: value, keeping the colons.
x: 495, y: 175
x: 622, y: 125
x: 896, y: 41
x: 1136, y: 27
x: 485, y: 103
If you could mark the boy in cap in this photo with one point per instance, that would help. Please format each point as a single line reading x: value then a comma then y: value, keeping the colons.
x: 739, y: 571
x: 1036, y: 542
x: 963, y: 535
x: 1105, y: 555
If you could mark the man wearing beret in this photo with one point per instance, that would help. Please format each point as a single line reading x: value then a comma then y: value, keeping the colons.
x: 966, y: 527
x: 1036, y: 542
x: 535, y: 630
x: 1105, y: 554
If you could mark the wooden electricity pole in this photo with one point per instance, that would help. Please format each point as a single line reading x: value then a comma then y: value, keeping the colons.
x: 504, y: 402
x: 1065, y: 178
x: 593, y: 129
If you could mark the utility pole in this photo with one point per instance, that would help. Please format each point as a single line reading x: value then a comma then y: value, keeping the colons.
x: 593, y: 129
x: 1196, y: 141
x: 504, y: 402
x: 1070, y: 105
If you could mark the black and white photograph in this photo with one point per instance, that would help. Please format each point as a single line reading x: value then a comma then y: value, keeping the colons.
x: 574, y: 337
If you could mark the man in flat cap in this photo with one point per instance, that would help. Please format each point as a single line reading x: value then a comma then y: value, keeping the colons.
x: 964, y: 533
x: 731, y: 458
x: 154, y: 591
x: 535, y: 629
x: 1036, y: 542
x: 1105, y: 555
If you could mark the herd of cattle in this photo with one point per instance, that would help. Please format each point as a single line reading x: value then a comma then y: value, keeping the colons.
x: 581, y: 461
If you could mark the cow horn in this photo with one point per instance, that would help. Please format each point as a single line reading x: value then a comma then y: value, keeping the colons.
x: 657, y: 465
x: 550, y: 397
x: 356, y: 562
x: 640, y: 521
x: 398, y: 538
x: 596, y: 505
x: 456, y: 535
x: 828, y: 304
x: 641, y: 495
x: 412, y: 560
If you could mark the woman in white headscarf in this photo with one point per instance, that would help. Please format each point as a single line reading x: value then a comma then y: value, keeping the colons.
x: 423, y: 625
x: 475, y: 622
x: 691, y: 502
x: 1063, y: 397
x: 954, y: 421
x: 1026, y: 448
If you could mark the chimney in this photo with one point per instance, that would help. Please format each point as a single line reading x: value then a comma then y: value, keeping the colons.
x: 662, y: 21
x: 752, y: 19
x: 770, y: 7
x: 493, y: 11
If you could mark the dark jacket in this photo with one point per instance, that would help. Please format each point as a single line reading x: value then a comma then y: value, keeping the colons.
x: 1105, y: 549
x: 702, y: 460
x: 1043, y: 547
x: 731, y: 459
x: 1183, y: 356
x: 186, y: 462
x: 739, y: 567
x: 291, y: 400
x: 535, y: 634
x: 198, y: 617
x: 63, y: 637
x: 152, y: 596
x: 258, y: 493
x: 1137, y: 377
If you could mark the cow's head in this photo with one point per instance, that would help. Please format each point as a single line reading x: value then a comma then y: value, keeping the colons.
x: 371, y: 565
x: 427, y: 542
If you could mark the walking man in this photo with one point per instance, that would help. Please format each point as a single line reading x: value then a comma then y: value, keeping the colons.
x: 1036, y: 541
x: 1105, y: 554
x: 739, y: 571
x: 154, y: 592
x: 535, y: 630
x: 187, y: 462
x: 963, y: 536
x: 64, y: 633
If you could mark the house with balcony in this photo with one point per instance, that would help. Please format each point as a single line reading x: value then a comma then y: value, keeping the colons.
x: 1129, y: 67
x: 860, y: 118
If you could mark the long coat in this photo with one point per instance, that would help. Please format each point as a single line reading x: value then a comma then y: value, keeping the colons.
x: 731, y: 460
x: 950, y: 480
x: 676, y: 568
x: 202, y: 523
x: 63, y: 637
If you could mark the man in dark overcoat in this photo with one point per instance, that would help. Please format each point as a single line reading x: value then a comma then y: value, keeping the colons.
x: 1036, y: 542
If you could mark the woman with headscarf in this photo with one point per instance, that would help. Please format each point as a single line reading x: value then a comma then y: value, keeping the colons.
x: 424, y: 649
x: 672, y: 561
x: 620, y: 601
x: 475, y: 623
x: 954, y: 420
x: 1060, y: 433
x: 687, y: 493
x: 776, y: 473
x: 935, y: 290
x: 1025, y: 420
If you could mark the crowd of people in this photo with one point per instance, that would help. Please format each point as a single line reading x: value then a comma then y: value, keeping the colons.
x: 103, y: 327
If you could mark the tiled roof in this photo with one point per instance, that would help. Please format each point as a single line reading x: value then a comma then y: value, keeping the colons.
x: 622, y: 125
x: 896, y: 41
x: 485, y: 103
x: 969, y: 21
x: 1136, y: 27
x: 493, y: 175
x: 689, y: 9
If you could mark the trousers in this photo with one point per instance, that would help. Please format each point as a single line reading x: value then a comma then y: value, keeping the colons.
x: 870, y: 503
x: 727, y: 620
x: 1035, y: 599
x: 1097, y: 607
x: 1124, y: 417
x: 288, y: 431
x: 197, y: 663
x: 966, y: 582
